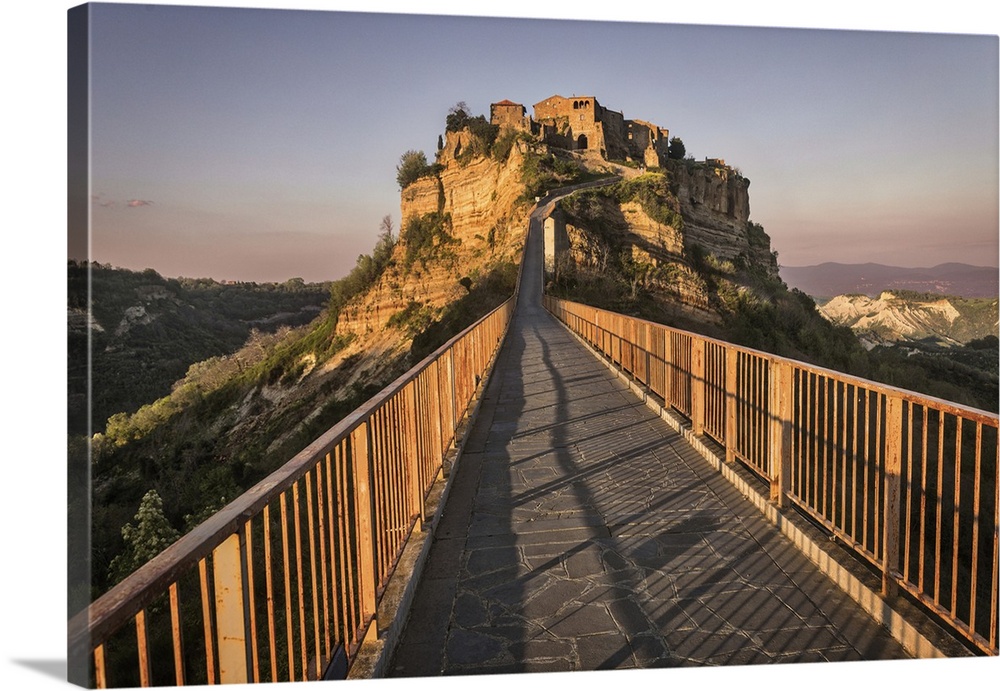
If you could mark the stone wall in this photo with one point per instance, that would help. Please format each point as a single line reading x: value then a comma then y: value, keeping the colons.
x: 615, y: 134
x: 575, y: 120
x: 647, y: 142
x: 509, y: 114
x: 581, y: 122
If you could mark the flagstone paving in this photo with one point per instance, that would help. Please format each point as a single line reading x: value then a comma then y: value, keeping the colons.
x: 582, y: 533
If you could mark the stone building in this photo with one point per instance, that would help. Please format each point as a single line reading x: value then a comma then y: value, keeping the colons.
x: 647, y: 142
x: 509, y: 114
x: 581, y: 123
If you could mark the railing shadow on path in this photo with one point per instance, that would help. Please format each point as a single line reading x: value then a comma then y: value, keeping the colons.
x: 595, y: 539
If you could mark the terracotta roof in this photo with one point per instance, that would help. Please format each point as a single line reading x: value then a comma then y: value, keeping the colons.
x: 505, y: 102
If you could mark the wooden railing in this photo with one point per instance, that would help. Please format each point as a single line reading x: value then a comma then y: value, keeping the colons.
x: 283, y: 584
x: 908, y: 481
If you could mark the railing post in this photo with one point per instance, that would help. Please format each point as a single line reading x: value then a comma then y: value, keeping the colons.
x: 617, y: 340
x: 231, y: 604
x: 649, y: 377
x: 366, y: 543
x: 893, y: 480
x: 598, y: 331
x: 142, y: 643
x: 645, y: 348
x: 697, y: 386
x: 732, y: 357
x: 780, y: 419
x: 436, y: 422
x: 668, y: 368
x: 413, y: 465
x: 451, y: 393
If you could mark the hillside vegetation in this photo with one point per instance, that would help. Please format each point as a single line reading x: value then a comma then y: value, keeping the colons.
x: 146, y: 330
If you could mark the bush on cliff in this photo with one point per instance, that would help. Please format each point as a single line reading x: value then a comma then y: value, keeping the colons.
x: 412, y: 166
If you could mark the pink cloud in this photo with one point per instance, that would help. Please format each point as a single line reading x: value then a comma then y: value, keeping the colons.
x: 102, y: 201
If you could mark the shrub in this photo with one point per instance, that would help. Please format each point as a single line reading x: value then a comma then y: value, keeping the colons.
x: 651, y: 192
x: 676, y: 149
x: 413, y: 318
x: 503, y: 145
x: 422, y: 233
x: 412, y: 166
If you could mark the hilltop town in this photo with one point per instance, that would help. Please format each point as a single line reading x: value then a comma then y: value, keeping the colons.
x: 581, y: 123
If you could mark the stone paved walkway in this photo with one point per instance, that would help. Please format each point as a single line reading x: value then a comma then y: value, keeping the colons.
x: 582, y: 533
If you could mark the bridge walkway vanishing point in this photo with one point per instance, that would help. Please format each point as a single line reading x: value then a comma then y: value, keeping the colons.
x: 582, y: 532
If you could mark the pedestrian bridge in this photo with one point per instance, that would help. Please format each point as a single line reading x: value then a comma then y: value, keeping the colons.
x: 564, y: 488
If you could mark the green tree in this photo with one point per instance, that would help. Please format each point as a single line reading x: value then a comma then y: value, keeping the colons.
x: 484, y: 133
x: 385, y: 243
x: 294, y: 285
x: 367, y: 269
x: 676, y: 149
x: 151, y: 534
x: 458, y: 114
x: 412, y: 165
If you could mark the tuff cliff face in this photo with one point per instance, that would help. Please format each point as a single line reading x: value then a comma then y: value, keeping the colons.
x: 715, y: 204
x: 478, y: 193
x: 613, y: 238
x: 678, y: 236
x: 458, y: 224
x: 674, y: 234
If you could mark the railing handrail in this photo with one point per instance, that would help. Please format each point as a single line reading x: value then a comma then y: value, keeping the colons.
x: 449, y: 378
x: 115, y: 607
x: 859, y: 457
x: 906, y: 394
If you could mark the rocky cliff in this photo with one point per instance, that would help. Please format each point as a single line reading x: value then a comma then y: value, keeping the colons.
x: 458, y: 224
x: 661, y: 233
x: 903, y: 316
x: 715, y: 203
x: 679, y: 237
x: 615, y: 241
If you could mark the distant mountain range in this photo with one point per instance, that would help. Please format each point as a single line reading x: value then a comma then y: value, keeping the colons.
x: 823, y: 281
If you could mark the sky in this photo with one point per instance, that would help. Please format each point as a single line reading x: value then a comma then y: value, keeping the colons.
x: 660, y: 86
x: 261, y: 144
